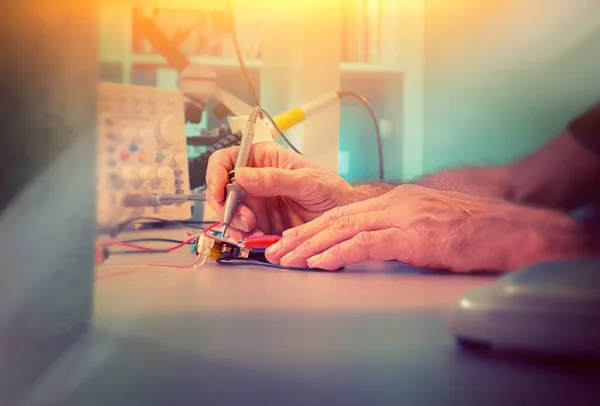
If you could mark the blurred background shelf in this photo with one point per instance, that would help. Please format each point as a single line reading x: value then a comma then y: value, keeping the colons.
x: 366, y: 68
x: 453, y: 83
x: 209, y: 62
x: 304, y: 51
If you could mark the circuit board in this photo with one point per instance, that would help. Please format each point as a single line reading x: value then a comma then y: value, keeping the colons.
x: 141, y: 150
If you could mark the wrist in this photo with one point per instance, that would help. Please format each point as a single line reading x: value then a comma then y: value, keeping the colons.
x: 564, y: 239
x: 551, y: 236
x: 517, y: 237
x: 368, y: 191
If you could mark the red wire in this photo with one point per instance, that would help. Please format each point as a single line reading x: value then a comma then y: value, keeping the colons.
x: 125, y: 244
x: 143, y: 248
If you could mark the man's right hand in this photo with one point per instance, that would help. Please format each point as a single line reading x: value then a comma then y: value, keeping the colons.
x: 283, y: 189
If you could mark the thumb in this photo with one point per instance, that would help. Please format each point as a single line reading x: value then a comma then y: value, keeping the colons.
x: 268, y: 182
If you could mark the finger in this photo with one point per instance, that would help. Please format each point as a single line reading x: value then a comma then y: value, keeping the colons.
x: 243, y: 218
x: 258, y: 207
x: 341, y: 230
x: 293, y: 237
x: 270, y: 182
x: 367, y: 245
x: 220, y: 163
x: 266, y: 154
x: 274, y: 207
x: 238, y: 235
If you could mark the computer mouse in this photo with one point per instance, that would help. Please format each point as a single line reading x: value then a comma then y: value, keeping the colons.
x: 551, y: 307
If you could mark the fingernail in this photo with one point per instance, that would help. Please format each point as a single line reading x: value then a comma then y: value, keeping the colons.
x: 313, y: 260
x: 273, y: 249
x: 287, y: 257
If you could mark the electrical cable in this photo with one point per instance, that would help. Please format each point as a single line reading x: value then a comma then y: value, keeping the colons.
x: 155, y: 223
x: 240, y: 59
x: 157, y: 251
x: 199, y: 261
x: 251, y: 262
x: 108, y: 243
x: 141, y: 249
x: 343, y: 94
x: 146, y: 251
x: 272, y: 122
x: 153, y: 240
x: 202, y: 161
x: 246, y: 74
x: 257, y: 257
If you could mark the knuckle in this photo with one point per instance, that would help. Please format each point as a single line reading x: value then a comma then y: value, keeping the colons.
x: 343, y: 224
x: 314, y: 176
x: 333, y: 214
x: 307, y: 247
x: 271, y: 148
x: 272, y: 178
x: 365, y: 239
x: 320, y: 180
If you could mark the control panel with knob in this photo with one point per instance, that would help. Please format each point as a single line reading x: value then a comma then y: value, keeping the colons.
x: 141, y: 150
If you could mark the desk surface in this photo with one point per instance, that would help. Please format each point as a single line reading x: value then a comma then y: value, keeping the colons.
x: 242, y: 335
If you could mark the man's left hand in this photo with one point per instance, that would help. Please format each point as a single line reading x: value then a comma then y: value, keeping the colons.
x: 429, y: 228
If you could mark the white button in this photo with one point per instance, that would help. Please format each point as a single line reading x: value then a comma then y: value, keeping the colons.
x: 130, y: 173
x: 171, y: 129
x: 128, y: 132
x: 165, y: 173
x: 148, y: 173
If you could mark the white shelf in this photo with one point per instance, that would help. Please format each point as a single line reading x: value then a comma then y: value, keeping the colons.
x: 225, y: 63
x: 366, y: 68
x: 210, y: 62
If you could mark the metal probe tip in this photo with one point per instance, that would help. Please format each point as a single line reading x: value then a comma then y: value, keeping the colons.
x: 223, y: 231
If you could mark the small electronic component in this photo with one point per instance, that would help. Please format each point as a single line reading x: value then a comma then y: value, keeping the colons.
x: 217, y: 248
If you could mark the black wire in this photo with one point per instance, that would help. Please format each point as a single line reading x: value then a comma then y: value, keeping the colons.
x: 238, y: 54
x: 156, y: 222
x: 270, y: 119
x: 364, y: 101
x: 240, y: 59
x: 244, y: 262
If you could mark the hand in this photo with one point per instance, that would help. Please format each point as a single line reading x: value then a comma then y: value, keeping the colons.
x: 429, y: 228
x: 283, y: 189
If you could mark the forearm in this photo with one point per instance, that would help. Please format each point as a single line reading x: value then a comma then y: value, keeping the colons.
x: 484, y: 182
x: 514, y: 239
